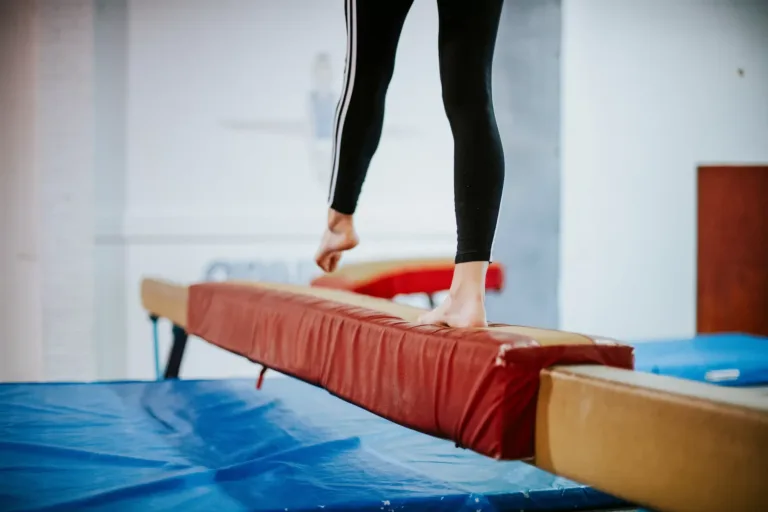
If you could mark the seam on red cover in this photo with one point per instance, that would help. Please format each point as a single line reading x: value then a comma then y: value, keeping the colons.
x: 506, y: 413
x: 475, y: 396
x: 439, y: 374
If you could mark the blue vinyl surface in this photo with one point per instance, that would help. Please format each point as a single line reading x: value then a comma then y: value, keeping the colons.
x: 220, y: 446
x: 723, y: 359
x: 223, y: 446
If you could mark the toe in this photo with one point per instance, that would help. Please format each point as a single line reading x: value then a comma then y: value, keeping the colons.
x: 320, y: 255
x: 333, y: 261
x: 322, y: 262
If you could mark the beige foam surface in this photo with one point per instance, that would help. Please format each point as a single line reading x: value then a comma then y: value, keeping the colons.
x: 170, y: 300
x: 661, y: 442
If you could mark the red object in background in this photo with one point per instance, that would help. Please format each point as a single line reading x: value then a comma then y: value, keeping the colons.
x: 410, y: 278
x: 732, y: 256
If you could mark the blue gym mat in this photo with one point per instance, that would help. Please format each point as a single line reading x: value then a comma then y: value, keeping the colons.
x: 224, y: 446
x: 723, y: 359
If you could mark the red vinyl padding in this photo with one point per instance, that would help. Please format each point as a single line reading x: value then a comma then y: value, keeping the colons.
x: 405, y: 281
x: 475, y: 387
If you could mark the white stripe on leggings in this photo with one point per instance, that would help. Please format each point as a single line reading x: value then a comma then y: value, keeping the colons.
x: 349, y: 84
x: 345, y: 74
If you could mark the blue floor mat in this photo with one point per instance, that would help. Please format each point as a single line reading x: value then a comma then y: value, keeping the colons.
x: 223, y: 446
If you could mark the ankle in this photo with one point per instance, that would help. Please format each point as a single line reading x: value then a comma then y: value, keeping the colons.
x: 467, y: 294
x: 467, y: 291
x: 340, y: 222
x: 469, y: 281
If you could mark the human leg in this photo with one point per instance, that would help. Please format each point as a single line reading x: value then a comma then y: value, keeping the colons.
x: 373, y: 32
x: 466, y: 43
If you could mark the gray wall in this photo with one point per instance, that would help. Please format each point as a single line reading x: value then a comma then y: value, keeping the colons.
x: 527, y: 102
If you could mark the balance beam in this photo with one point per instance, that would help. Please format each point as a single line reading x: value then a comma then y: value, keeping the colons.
x: 568, y: 403
x: 387, y: 278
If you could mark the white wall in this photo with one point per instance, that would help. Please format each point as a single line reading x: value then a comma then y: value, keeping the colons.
x: 218, y: 122
x: 220, y: 159
x: 20, y: 308
x: 64, y: 159
x: 47, y: 177
x: 110, y: 103
x: 651, y: 89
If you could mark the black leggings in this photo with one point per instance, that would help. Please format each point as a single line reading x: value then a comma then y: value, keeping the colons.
x: 466, y: 41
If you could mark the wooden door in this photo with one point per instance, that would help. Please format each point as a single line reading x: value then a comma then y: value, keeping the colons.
x: 732, y: 287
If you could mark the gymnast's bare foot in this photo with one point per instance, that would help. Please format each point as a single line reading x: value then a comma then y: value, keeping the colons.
x: 340, y: 236
x: 465, y: 304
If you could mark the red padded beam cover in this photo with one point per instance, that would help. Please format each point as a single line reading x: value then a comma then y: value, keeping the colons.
x: 475, y: 387
x: 405, y: 281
